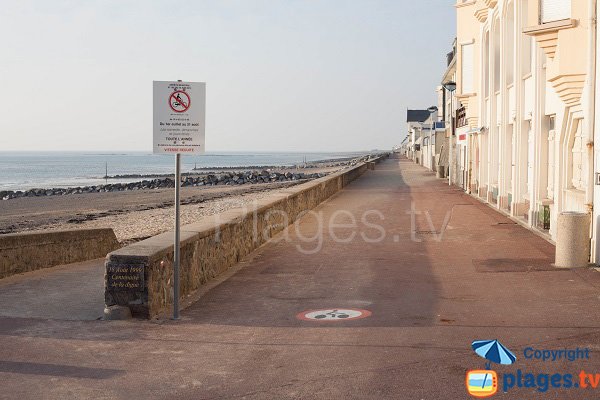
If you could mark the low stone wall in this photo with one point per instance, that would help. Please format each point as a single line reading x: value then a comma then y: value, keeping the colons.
x: 140, y: 276
x: 30, y: 251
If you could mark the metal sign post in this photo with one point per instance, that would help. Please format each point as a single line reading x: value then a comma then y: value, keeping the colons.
x: 177, y: 256
x: 179, y: 121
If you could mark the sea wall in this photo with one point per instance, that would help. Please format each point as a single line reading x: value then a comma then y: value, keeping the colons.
x: 30, y: 251
x: 139, y: 276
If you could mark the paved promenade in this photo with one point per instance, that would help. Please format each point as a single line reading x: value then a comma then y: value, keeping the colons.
x: 72, y: 292
x: 434, y: 267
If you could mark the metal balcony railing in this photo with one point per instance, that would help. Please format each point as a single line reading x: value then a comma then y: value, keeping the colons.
x: 461, y: 117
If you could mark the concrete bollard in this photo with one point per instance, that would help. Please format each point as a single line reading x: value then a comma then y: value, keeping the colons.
x: 572, y: 240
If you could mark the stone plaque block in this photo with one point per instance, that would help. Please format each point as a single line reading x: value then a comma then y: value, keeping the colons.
x: 127, y: 277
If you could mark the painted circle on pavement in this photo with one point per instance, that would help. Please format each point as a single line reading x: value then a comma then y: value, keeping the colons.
x: 333, y: 314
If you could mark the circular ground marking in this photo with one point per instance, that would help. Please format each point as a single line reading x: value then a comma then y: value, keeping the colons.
x: 333, y: 314
x: 179, y: 101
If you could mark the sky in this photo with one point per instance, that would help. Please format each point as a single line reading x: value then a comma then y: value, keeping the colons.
x: 281, y: 75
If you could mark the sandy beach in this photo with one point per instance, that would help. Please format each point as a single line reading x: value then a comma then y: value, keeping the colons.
x: 147, y: 211
x: 133, y: 215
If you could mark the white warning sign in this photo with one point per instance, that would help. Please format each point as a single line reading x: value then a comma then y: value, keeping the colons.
x: 179, y: 117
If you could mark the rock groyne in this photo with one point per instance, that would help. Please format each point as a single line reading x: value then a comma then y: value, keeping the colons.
x: 230, y: 178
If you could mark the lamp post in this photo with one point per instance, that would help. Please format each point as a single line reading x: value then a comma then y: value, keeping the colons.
x: 450, y: 87
x: 431, y: 151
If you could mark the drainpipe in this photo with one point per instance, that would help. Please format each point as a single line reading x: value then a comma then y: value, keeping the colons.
x: 591, y: 97
x: 591, y: 115
x: 450, y: 150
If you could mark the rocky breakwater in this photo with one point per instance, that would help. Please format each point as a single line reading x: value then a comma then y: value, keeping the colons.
x: 230, y: 178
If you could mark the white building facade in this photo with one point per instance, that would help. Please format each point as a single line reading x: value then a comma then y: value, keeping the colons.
x: 525, y: 79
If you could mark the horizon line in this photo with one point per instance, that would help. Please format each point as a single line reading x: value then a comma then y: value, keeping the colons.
x: 199, y: 155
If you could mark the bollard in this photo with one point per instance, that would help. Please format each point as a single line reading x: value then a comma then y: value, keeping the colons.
x: 572, y: 240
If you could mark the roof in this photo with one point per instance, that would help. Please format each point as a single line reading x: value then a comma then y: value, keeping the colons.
x: 417, y: 115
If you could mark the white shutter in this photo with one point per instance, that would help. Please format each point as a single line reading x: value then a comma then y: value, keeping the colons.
x: 554, y: 10
x: 467, y: 68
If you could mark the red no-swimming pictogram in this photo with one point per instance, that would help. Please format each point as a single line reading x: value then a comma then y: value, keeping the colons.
x: 179, y: 101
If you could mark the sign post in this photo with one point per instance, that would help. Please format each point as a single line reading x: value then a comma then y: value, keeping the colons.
x: 177, y: 244
x: 179, y: 115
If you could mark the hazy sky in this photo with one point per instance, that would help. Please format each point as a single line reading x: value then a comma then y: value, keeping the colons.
x: 305, y: 75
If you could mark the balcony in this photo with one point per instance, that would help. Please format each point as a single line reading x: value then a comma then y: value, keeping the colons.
x: 546, y: 34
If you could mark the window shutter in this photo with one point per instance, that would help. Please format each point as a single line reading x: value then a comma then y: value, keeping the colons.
x: 467, y: 68
x: 554, y: 10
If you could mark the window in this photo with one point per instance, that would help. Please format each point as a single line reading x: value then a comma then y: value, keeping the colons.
x: 554, y: 10
x: 467, y: 68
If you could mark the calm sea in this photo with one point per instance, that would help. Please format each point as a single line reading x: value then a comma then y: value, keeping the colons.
x: 20, y: 170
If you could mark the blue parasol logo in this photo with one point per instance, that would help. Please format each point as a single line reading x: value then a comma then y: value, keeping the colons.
x: 494, y: 351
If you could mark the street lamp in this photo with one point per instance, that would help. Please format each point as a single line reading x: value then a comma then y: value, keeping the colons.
x: 451, y: 87
x: 431, y: 151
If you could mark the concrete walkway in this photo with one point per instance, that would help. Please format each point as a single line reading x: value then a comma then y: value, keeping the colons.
x: 72, y: 292
x: 434, y: 279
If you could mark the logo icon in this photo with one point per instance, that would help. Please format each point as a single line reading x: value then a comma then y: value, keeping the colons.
x: 494, y: 351
x: 482, y: 383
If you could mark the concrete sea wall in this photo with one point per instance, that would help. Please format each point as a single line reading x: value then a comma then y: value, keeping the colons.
x: 30, y: 251
x: 139, y: 276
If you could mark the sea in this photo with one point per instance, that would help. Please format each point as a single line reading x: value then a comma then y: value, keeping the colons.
x: 27, y: 170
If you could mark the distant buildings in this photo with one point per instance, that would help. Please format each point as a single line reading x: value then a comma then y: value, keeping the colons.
x: 521, y: 122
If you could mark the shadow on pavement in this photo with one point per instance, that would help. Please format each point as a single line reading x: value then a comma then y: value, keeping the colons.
x: 70, y: 371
